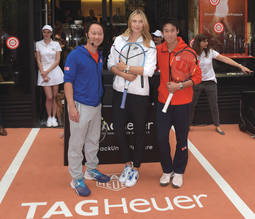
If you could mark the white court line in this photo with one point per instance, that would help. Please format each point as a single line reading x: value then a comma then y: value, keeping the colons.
x: 16, y: 163
x: 224, y: 186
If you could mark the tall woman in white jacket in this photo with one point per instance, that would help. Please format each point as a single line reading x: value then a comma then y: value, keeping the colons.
x: 137, y: 101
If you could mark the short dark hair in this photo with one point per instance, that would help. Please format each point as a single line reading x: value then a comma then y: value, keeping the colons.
x: 89, y: 25
x: 172, y: 21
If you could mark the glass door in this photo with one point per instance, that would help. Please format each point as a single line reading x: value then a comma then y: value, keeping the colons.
x: 15, y: 47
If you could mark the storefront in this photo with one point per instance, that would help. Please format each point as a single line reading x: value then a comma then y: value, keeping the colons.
x: 22, y: 102
x: 17, y: 78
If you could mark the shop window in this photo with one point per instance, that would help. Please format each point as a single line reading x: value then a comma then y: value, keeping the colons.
x: 228, y: 24
x: 72, y: 17
x: 8, y: 51
x: 14, y: 45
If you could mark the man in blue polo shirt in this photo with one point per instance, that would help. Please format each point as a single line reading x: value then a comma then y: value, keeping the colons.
x: 83, y: 91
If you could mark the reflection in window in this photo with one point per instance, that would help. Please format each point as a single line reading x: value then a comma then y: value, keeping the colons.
x: 8, y: 28
x: 75, y: 15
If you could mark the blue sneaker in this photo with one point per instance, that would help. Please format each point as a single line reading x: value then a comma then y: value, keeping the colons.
x: 80, y: 187
x: 96, y: 175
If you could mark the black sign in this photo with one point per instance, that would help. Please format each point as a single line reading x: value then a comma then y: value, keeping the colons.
x: 109, y: 150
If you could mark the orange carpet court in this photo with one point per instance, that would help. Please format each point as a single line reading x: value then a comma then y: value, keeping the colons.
x: 219, y: 181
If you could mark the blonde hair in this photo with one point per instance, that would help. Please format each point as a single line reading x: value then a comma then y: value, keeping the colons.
x: 146, y: 28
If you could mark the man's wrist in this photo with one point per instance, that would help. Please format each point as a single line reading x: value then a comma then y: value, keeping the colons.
x: 181, y: 85
x: 240, y: 66
x: 70, y: 103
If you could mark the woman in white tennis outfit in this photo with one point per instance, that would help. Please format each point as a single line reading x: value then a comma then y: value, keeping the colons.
x: 50, y: 74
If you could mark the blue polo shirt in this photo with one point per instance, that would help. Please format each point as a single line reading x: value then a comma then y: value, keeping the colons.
x: 85, y: 75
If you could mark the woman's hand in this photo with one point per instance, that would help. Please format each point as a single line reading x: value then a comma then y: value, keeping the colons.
x: 74, y: 114
x: 44, y: 73
x: 172, y: 86
x: 245, y: 69
x: 46, y: 78
x: 130, y: 77
x: 121, y: 66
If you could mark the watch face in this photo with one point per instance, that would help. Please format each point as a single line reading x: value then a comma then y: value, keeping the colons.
x: 181, y: 86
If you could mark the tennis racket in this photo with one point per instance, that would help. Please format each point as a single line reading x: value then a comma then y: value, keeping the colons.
x: 182, y: 67
x: 131, y: 54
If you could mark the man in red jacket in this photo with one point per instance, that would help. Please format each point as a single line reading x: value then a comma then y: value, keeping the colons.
x: 178, y: 111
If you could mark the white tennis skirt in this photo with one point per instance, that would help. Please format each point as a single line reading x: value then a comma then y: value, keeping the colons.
x: 56, y: 77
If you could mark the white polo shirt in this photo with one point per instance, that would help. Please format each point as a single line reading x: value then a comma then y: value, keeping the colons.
x: 206, y: 65
x: 48, y: 54
x: 149, y: 66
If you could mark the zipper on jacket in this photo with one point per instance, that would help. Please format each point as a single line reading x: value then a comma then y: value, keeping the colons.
x: 98, y: 89
x: 99, y: 79
x: 170, y: 69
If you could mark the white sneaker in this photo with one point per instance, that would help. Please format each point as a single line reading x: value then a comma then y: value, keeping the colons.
x: 49, y: 122
x: 132, y: 178
x: 88, y: 176
x: 165, y: 178
x: 54, y: 122
x: 177, y: 180
x: 125, y: 173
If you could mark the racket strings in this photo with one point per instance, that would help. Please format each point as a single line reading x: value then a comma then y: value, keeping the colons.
x: 119, y: 53
x: 132, y: 55
x: 136, y: 55
x: 126, y: 56
x: 183, y: 66
x: 129, y: 47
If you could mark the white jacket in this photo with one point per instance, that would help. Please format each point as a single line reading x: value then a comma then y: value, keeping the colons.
x: 149, y: 66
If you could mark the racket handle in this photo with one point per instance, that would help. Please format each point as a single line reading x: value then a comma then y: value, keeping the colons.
x: 170, y: 95
x: 123, y: 101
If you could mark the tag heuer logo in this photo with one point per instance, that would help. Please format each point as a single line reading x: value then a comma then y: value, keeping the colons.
x: 178, y: 58
x: 113, y: 185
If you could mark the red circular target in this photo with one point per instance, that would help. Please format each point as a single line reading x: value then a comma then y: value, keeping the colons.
x: 12, y: 43
x: 214, y: 2
x: 218, y: 27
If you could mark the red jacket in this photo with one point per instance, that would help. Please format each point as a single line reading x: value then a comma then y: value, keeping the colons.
x: 180, y: 97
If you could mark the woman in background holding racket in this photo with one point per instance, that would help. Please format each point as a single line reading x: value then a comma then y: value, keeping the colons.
x: 173, y: 59
x: 209, y: 82
x: 132, y: 60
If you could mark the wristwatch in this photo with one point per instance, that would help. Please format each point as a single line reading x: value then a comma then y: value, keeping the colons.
x: 181, y: 86
x: 127, y: 69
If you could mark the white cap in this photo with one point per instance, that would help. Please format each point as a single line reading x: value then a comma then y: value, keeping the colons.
x: 47, y: 27
x: 157, y: 33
